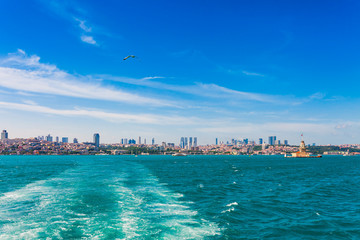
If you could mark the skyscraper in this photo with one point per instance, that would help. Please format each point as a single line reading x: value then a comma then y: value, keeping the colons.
x: 216, y: 141
x: 65, y: 140
x: 195, y: 142
x: 96, y: 140
x: 75, y: 140
x: 49, y: 138
x: 286, y: 142
x: 182, y: 142
x: 185, y: 142
x: 260, y: 141
x: 190, y: 142
x: 139, y: 142
x: 57, y: 139
x: 4, y: 135
x: 153, y: 141
x: 272, y: 140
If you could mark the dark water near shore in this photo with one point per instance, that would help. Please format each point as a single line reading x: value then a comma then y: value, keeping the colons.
x: 165, y: 197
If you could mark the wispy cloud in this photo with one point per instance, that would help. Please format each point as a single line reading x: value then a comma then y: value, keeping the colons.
x: 207, y: 90
x: 239, y: 72
x: 70, y: 11
x: 30, y: 106
x: 82, y: 25
x: 27, y: 74
x: 253, y: 74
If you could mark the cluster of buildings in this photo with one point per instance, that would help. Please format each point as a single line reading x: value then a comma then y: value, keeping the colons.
x: 188, y: 145
x: 271, y: 141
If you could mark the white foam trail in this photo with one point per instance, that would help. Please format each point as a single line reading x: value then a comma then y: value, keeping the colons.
x: 228, y: 210
x: 141, y: 207
x: 232, y: 204
x: 162, y: 209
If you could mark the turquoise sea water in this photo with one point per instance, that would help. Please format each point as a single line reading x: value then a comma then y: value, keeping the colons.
x: 165, y: 197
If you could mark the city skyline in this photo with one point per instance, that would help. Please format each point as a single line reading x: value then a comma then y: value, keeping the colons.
x: 184, y: 142
x: 228, y: 70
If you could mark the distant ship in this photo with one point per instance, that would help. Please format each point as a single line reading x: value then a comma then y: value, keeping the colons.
x: 302, y: 153
x: 179, y: 154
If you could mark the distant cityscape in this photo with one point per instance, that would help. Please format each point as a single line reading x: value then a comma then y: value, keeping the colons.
x: 44, y: 145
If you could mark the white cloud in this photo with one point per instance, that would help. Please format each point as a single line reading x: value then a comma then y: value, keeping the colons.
x: 88, y: 39
x: 26, y: 74
x: 31, y: 106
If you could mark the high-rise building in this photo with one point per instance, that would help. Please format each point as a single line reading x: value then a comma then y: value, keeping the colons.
x: 190, y: 142
x: 75, y: 140
x: 278, y: 142
x: 139, y: 142
x: 4, y: 135
x: 182, y: 142
x: 195, y: 142
x: 122, y: 141
x: 49, y: 138
x: 185, y: 142
x: 260, y: 141
x: 65, y: 139
x: 57, y: 139
x: 216, y: 141
x: 153, y: 141
x: 246, y: 141
x: 96, y: 140
x: 272, y: 140
x: 125, y: 141
x: 132, y: 141
x: 286, y: 142
x: 145, y: 141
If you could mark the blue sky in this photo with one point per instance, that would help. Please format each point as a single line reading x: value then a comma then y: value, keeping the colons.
x: 226, y: 69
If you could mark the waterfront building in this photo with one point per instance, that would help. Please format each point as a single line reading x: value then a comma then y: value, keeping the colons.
x: 96, y: 140
x: 195, y: 142
x: 260, y: 141
x: 75, y: 140
x: 4, y: 135
x: 302, y: 152
x: 65, y: 140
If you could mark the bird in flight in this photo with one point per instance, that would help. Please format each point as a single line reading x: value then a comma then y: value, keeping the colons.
x: 130, y: 56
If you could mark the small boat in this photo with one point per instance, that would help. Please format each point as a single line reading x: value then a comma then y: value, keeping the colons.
x: 179, y: 154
